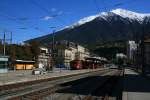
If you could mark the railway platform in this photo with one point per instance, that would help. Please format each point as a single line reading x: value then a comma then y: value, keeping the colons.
x: 136, y: 87
x: 25, y: 76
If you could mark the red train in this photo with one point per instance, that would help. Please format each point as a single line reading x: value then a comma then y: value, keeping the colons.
x: 76, y: 64
x: 80, y: 64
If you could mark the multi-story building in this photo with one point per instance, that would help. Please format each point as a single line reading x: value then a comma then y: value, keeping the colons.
x: 66, y: 51
x: 61, y: 53
x: 82, y: 53
x: 146, y: 53
x: 44, y: 58
x: 131, y: 50
x: 142, y: 55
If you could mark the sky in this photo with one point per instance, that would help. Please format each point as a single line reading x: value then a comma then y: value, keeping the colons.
x: 28, y: 19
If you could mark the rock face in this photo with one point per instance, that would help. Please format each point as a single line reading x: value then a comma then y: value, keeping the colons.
x: 118, y: 24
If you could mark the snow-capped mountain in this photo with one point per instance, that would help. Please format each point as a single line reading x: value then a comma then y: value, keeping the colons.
x: 121, y: 12
x: 118, y: 24
x: 83, y: 21
x: 129, y: 14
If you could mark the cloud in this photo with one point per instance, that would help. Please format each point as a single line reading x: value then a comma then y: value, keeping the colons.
x: 53, y: 9
x: 60, y: 12
x: 47, y: 18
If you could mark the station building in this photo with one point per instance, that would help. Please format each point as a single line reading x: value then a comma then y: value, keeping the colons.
x: 4, y: 63
x: 23, y: 65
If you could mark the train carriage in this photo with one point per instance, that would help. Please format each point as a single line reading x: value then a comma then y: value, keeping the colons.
x: 76, y: 64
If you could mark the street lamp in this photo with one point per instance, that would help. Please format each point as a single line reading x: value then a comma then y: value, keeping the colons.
x: 143, y: 50
x: 53, y: 47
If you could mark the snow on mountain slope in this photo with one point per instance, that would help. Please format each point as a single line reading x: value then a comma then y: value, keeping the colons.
x: 130, y: 14
x: 121, y: 12
x: 83, y: 21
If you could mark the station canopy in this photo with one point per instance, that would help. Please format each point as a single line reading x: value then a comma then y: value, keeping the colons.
x: 96, y: 58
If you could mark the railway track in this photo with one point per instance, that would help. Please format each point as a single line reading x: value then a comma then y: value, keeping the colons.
x: 105, y: 89
x: 99, y: 91
x: 98, y: 88
x: 37, y: 91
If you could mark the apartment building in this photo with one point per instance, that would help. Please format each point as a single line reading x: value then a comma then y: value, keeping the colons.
x: 44, y: 58
x: 131, y: 50
x: 147, y: 52
x: 68, y: 51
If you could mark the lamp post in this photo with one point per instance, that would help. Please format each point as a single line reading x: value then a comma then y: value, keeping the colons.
x: 143, y: 50
x: 53, y: 47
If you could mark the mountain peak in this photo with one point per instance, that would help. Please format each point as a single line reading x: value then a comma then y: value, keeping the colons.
x: 121, y: 12
x: 129, y: 14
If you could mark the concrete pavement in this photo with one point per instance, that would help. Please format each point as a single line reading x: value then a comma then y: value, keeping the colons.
x: 18, y: 77
x: 136, y: 87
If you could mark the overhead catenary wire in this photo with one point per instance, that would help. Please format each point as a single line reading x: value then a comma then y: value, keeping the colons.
x: 11, y: 18
x: 124, y: 3
x: 47, y: 11
x: 104, y: 5
x: 18, y: 20
x: 97, y: 6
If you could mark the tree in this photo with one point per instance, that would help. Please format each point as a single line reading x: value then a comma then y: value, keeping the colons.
x: 27, y: 53
x: 13, y: 52
x: 1, y: 48
x: 19, y: 52
x: 35, y: 48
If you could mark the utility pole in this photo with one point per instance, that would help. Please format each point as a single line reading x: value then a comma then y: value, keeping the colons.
x: 11, y: 39
x: 142, y: 51
x: 53, y: 43
x: 53, y: 48
x: 4, y: 44
x: 6, y: 39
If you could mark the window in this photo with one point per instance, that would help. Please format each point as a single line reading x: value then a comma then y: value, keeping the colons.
x: 43, y: 51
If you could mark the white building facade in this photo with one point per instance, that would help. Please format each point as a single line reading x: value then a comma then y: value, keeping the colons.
x: 44, y: 59
x: 68, y: 51
x: 131, y: 49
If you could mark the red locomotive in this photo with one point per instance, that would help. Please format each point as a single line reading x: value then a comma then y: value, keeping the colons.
x: 87, y: 64
x: 76, y: 64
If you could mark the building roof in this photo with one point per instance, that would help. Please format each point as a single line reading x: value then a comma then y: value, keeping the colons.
x: 4, y: 58
x: 97, y: 58
x: 25, y: 61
